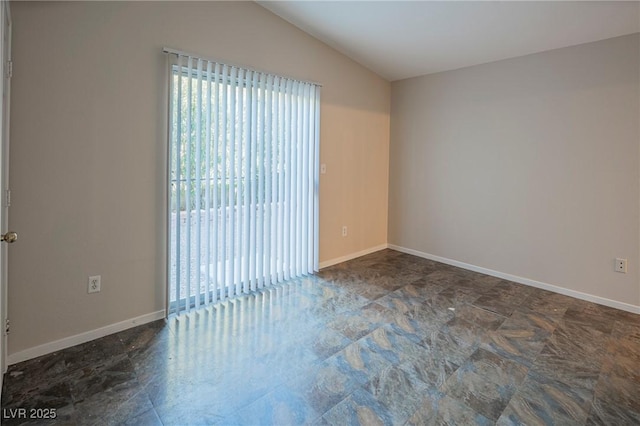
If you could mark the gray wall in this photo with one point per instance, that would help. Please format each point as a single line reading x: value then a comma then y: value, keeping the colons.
x: 527, y: 166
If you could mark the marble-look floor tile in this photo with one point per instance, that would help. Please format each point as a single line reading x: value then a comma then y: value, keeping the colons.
x: 360, y: 408
x: 609, y: 313
x: 439, y: 409
x: 418, y: 290
x: 148, y: 418
x: 427, y: 287
x: 391, y: 382
x: 493, y: 304
x: 394, y: 347
x: 541, y: 400
x: 326, y: 342
x: 466, y: 334
x: 526, y: 318
x: 113, y: 406
x: 493, y: 367
x: 392, y: 280
x: 549, y: 303
x: 112, y: 373
x: 352, y: 325
x: 416, y: 330
x: 588, y: 318
x: 484, y: 281
x: 91, y: 352
x: 570, y: 337
x: 417, y: 264
x: 278, y: 366
x: 42, y: 395
x: 144, y: 336
x: 604, y: 413
x: 340, y: 302
x: 459, y: 295
x: 323, y: 386
x: 47, y: 369
x: 361, y: 287
x: 430, y: 368
x: 572, y: 354
x: 622, y: 366
x: 378, y: 314
x: 282, y: 406
x: 575, y: 372
x: 370, y: 291
x: 622, y: 357
x: 154, y: 358
x: 339, y: 275
x: 434, y: 312
x: 401, y: 301
x: 516, y: 341
x: 445, y: 346
x: 359, y: 362
x: 446, y: 276
x: 481, y: 317
x: 387, y: 338
x: 506, y: 290
x: 627, y: 330
x: 448, y: 347
x: 619, y: 392
x: 221, y: 392
x: 384, y: 274
x: 478, y: 392
x: 191, y: 413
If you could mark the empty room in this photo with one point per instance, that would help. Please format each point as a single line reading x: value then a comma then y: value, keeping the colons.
x: 320, y: 212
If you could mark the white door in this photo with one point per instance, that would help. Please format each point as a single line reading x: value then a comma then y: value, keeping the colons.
x: 5, y: 60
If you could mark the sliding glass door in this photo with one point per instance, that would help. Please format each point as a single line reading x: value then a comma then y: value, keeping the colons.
x: 243, y: 181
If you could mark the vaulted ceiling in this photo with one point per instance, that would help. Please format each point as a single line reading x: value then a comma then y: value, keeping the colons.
x: 402, y: 39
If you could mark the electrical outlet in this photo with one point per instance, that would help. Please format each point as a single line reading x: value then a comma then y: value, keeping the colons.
x: 94, y: 284
x: 344, y: 231
x: 621, y: 265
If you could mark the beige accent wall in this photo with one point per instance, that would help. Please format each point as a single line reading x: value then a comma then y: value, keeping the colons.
x: 527, y: 166
x: 88, y: 146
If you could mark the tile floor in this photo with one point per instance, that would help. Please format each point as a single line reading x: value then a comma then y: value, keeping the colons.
x: 384, y: 339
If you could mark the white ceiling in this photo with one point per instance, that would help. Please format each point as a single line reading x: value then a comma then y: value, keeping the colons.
x: 399, y: 39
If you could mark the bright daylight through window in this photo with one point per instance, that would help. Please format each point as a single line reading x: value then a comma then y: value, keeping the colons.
x: 243, y: 180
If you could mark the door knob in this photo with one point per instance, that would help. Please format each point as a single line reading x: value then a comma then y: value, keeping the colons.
x: 9, y: 237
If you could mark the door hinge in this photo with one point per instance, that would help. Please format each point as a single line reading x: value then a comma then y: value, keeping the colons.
x: 9, y: 69
x: 7, y: 326
x: 7, y: 198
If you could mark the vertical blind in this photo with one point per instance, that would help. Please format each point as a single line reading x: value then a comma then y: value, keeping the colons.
x: 243, y: 180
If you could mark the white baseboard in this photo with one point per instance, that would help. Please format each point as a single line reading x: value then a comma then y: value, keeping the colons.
x: 341, y: 259
x: 77, y: 339
x: 526, y: 281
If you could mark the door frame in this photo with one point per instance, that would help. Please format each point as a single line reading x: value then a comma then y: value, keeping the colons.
x: 5, y: 91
